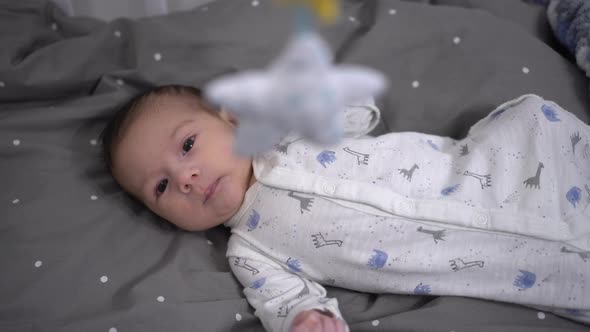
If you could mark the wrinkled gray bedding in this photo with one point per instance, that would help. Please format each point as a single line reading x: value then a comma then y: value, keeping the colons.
x: 77, y: 255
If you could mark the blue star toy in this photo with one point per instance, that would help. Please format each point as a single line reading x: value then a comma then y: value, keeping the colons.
x: 301, y: 91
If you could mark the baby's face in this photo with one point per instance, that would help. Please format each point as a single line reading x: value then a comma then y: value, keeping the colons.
x: 179, y: 161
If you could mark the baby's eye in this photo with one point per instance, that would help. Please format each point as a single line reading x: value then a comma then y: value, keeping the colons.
x: 188, y: 145
x: 161, y: 187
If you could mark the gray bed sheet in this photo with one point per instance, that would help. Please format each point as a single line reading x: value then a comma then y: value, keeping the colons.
x: 76, y: 254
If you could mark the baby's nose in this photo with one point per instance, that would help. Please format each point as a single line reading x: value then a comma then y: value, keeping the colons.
x: 188, y: 181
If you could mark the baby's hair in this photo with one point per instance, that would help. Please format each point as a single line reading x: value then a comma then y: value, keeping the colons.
x: 116, y: 126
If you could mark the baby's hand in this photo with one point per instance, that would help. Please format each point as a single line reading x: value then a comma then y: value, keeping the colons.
x: 317, y: 321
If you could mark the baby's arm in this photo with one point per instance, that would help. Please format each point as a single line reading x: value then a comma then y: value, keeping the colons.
x: 282, y: 299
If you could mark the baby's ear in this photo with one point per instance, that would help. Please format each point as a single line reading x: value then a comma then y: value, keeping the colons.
x: 228, y: 117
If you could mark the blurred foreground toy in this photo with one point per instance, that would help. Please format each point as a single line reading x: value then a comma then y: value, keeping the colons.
x: 301, y: 91
x: 326, y: 10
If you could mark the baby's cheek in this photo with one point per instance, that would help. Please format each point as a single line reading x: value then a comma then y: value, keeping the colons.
x: 228, y: 198
x: 231, y: 199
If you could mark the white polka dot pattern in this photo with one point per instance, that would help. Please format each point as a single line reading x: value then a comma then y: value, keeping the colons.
x: 158, y: 57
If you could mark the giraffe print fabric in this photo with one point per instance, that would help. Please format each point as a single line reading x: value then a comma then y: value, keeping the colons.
x: 502, y: 214
x: 528, y: 158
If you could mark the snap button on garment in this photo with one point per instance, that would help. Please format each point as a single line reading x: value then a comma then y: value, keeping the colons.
x: 480, y: 218
x: 329, y: 188
x: 409, y: 206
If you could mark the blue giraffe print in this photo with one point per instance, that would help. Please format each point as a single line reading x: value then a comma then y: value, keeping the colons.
x: 422, y: 289
x: 258, y: 283
x: 574, y: 195
x: 378, y: 259
x: 496, y: 114
x: 550, y: 113
x: 294, y: 265
x: 433, y: 145
x: 449, y: 190
x: 326, y: 157
x: 524, y: 280
x: 253, y: 220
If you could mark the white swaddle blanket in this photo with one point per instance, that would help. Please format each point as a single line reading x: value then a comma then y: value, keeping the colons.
x: 502, y: 214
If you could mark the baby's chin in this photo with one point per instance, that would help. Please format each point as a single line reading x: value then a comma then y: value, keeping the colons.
x: 201, y: 223
x: 232, y: 194
x: 218, y: 210
x: 229, y: 205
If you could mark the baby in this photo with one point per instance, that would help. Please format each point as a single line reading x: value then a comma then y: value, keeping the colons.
x: 501, y: 214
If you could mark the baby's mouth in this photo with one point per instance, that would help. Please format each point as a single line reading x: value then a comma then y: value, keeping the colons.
x: 211, y: 190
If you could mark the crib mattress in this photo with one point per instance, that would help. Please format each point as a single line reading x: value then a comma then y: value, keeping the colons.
x: 76, y: 254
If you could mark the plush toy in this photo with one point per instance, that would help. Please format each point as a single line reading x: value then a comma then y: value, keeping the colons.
x: 301, y: 91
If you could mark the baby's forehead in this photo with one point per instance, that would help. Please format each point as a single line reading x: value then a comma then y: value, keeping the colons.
x: 163, y: 109
x: 155, y: 105
x: 157, y: 119
x: 144, y: 128
x: 139, y: 147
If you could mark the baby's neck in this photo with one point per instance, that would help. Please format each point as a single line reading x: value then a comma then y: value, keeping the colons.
x: 252, y: 178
